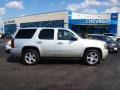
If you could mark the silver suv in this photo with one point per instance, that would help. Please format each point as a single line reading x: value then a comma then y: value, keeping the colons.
x: 33, y: 43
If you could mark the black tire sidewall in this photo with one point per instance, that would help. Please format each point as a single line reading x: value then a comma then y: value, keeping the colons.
x: 85, y: 57
x: 36, y: 54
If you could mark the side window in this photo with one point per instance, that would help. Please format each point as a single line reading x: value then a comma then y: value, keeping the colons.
x: 25, y: 33
x: 47, y: 34
x: 65, y: 35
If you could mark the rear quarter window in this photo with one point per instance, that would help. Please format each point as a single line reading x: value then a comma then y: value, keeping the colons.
x: 25, y: 33
x: 46, y: 34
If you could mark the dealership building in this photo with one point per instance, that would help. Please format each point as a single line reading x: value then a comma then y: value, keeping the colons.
x: 80, y: 23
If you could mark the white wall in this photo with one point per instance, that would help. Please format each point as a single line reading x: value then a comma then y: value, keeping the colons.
x: 62, y: 15
x: 90, y: 16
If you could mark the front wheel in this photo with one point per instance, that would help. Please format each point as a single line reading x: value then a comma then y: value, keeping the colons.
x: 31, y: 57
x: 92, y: 57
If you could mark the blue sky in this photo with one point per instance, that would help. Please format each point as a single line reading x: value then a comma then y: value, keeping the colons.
x: 16, y: 8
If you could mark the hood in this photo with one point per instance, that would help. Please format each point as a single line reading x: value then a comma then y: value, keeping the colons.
x: 93, y: 42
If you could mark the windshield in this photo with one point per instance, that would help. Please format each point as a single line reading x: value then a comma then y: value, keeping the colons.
x: 77, y: 34
x: 103, y: 38
x: 108, y: 38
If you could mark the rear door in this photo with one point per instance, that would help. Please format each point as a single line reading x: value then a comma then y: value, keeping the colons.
x: 47, y: 42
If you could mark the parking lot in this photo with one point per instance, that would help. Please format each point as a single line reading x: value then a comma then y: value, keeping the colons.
x: 58, y: 74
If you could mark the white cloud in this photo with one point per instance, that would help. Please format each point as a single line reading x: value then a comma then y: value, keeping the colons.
x: 2, y: 11
x: 86, y: 4
x: 113, y: 10
x: 89, y: 11
x: 96, y: 3
x: 15, y: 4
x: 22, y: 15
x: 73, y: 7
x: 114, y: 1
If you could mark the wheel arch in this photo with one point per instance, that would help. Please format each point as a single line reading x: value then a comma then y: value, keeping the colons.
x: 30, y: 47
x: 93, y: 48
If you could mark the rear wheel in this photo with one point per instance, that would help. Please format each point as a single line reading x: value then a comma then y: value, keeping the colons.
x: 92, y: 57
x: 31, y: 57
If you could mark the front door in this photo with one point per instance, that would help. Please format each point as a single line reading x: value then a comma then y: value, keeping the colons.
x: 65, y: 46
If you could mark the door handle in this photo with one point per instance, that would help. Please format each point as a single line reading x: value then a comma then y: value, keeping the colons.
x: 60, y: 43
x: 39, y: 42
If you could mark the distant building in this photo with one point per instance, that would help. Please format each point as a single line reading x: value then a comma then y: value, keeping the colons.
x: 80, y: 23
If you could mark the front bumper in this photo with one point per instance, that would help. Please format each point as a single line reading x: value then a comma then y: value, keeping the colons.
x: 104, y: 53
x: 113, y: 48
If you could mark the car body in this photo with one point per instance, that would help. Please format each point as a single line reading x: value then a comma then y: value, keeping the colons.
x: 57, y: 43
x: 113, y: 46
x: 8, y: 46
x: 113, y: 36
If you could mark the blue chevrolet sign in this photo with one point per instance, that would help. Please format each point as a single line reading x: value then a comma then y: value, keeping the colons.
x: 97, y: 21
x: 89, y: 21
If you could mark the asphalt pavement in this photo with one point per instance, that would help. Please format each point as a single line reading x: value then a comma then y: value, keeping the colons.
x: 58, y: 74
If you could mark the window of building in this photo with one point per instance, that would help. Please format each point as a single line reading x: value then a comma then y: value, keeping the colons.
x: 25, y: 33
x: 52, y: 23
x: 47, y: 34
x: 10, y: 28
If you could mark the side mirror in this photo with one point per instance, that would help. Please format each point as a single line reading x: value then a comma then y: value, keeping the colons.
x: 73, y: 38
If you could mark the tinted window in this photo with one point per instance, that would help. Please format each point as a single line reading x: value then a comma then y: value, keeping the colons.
x: 65, y: 35
x: 108, y: 38
x: 47, y: 34
x: 52, y: 23
x: 10, y: 28
x: 25, y: 33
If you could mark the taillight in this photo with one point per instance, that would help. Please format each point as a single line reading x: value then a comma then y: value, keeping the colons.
x: 12, y: 43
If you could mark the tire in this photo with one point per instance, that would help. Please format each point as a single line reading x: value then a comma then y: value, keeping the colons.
x: 92, y: 57
x: 31, y: 57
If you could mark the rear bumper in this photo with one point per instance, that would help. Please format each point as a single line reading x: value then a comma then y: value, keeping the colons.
x: 15, y: 52
x: 7, y: 51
